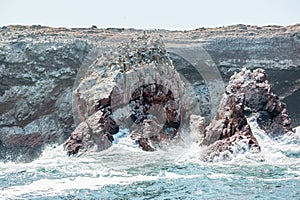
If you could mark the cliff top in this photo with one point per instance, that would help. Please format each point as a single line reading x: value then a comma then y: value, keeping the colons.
x: 19, y: 32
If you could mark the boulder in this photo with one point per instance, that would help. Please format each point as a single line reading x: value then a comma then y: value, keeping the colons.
x: 89, y: 135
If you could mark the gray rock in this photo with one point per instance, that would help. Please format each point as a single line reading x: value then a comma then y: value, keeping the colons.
x: 38, y: 67
x: 37, y: 75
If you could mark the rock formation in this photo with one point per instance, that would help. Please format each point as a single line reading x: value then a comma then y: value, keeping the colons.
x: 248, y: 93
x: 134, y: 87
x: 38, y: 67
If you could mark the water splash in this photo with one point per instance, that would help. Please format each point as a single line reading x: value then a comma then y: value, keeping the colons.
x: 126, y: 170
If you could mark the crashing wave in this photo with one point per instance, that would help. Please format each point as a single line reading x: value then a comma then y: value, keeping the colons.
x: 137, y: 89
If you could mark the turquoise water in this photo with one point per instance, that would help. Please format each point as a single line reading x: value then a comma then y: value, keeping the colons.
x: 126, y: 172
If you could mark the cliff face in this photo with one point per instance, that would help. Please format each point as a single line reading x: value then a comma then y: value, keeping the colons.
x: 38, y: 67
x: 37, y: 75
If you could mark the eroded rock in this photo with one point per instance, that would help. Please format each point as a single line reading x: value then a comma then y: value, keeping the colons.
x: 37, y: 74
x: 134, y: 87
x: 248, y: 93
x: 272, y: 114
x: 38, y: 67
x: 89, y: 135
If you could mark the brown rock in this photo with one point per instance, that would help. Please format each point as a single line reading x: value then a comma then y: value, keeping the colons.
x: 247, y: 93
x: 88, y: 135
x: 29, y: 140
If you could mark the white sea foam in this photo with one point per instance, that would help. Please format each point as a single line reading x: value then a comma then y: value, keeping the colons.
x: 121, y: 134
x: 53, y: 187
x: 125, y: 164
x: 275, y: 151
x: 279, y: 151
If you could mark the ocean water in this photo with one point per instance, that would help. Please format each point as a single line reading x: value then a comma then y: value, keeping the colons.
x: 126, y: 172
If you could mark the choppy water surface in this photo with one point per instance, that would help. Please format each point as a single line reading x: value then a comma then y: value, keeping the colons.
x: 126, y: 172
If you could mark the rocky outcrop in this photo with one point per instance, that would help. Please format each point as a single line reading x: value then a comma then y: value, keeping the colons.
x: 137, y: 88
x: 39, y: 65
x: 134, y: 87
x: 272, y: 114
x: 248, y: 93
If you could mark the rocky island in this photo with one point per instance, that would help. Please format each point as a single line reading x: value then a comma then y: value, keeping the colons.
x: 82, y: 87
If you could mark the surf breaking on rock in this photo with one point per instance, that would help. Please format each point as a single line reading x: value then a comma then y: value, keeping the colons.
x: 39, y: 64
x: 139, y: 76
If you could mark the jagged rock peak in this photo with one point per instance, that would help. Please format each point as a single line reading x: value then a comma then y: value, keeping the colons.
x: 247, y: 94
x: 272, y: 114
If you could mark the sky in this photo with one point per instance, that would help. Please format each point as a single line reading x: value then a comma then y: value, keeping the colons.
x: 150, y: 14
